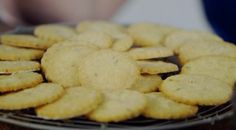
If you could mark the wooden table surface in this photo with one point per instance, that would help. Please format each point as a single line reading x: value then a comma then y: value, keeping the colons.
x: 221, y: 125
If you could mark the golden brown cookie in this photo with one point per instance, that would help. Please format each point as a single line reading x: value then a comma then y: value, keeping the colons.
x: 108, y: 69
x: 79, y: 100
x: 160, y: 107
x: 32, y: 97
x: 20, y: 81
x: 15, y: 53
x: 196, y: 90
x: 8, y: 67
x: 118, y: 106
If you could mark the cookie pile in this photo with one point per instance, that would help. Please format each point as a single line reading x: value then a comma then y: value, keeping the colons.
x: 111, y: 73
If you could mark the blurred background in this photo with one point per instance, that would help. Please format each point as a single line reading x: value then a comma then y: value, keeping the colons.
x: 206, y: 15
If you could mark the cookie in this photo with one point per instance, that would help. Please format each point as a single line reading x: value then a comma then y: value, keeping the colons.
x: 175, y: 39
x: 15, y: 53
x: 107, y: 69
x: 8, y: 67
x: 80, y: 100
x: 20, y: 81
x: 123, y: 42
x: 196, y: 90
x: 191, y: 51
x: 109, y: 28
x: 150, y: 53
x: 54, y: 33
x: 24, y: 40
x: 61, y: 63
x: 98, y: 39
x: 147, y: 83
x: 156, y: 67
x: 149, y: 34
x: 32, y: 97
x: 160, y: 107
x: 118, y: 106
x: 219, y: 67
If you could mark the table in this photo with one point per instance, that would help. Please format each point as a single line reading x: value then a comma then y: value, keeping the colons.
x: 221, y: 125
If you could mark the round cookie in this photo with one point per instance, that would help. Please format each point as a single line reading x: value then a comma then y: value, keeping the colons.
x: 196, y: 90
x: 24, y: 40
x: 14, y: 53
x: 8, y: 67
x: 61, y: 63
x: 147, y: 84
x: 160, y: 107
x: 123, y: 42
x: 149, y: 34
x: 194, y: 50
x: 156, y: 67
x: 219, y: 67
x: 54, y: 33
x: 150, y: 53
x: 32, y: 97
x: 80, y: 100
x: 98, y: 39
x: 20, y: 81
x: 118, y: 106
x: 175, y: 39
x: 107, y: 69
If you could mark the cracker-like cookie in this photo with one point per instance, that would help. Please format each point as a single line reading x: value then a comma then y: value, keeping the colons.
x: 15, y: 53
x: 193, y: 50
x: 109, y: 28
x: 156, y: 67
x: 222, y: 68
x: 20, y: 81
x: 32, y: 97
x: 123, y: 42
x: 98, y: 39
x: 150, y: 53
x: 118, y: 106
x: 149, y: 34
x: 79, y: 100
x: 108, y: 69
x: 8, y: 67
x: 175, y: 39
x: 160, y: 107
x: 146, y: 84
x: 54, y: 33
x: 24, y: 40
x: 61, y: 63
x: 196, y: 90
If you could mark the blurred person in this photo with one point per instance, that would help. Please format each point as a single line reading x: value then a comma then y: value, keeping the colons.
x: 18, y: 12
x: 205, y: 15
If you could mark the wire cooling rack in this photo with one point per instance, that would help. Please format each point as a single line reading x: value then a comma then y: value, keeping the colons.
x: 27, y: 118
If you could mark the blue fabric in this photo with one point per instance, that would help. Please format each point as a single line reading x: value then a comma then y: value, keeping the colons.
x: 221, y: 15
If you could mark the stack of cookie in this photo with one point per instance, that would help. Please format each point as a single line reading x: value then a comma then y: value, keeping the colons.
x: 110, y: 73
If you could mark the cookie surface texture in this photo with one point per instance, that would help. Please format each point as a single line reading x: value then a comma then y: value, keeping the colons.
x: 61, y: 63
x: 222, y: 68
x: 15, y: 53
x: 147, y: 83
x: 20, y: 81
x: 8, y: 67
x: 150, y: 53
x: 80, y: 100
x: 23, y: 40
x: 156, y: 67
x: 160, y: 107
x: 107, y: 69
x: 39, y: 95
x: 119, y: 106
x: 196, y: 90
